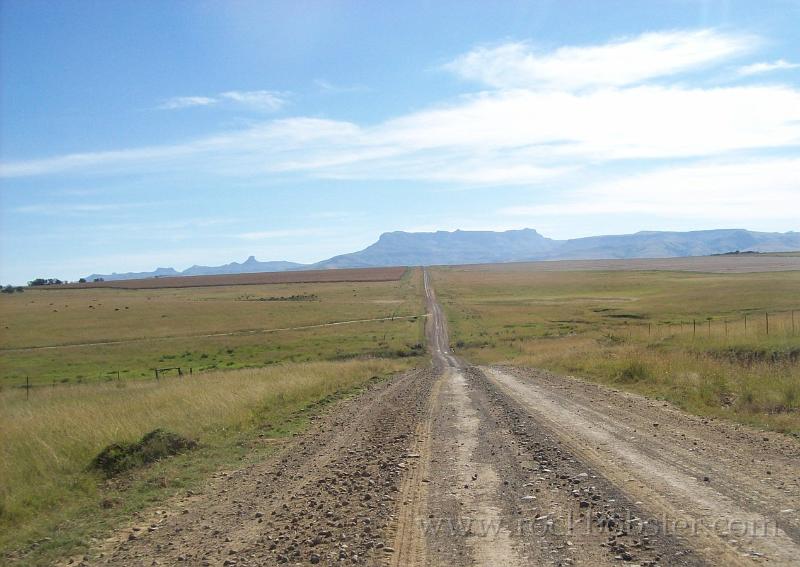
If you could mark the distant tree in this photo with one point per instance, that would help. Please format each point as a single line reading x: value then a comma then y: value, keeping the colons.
x: 99, y: 279
x: 82, y: 280
x: 45, y: 281
x: 8, y: 289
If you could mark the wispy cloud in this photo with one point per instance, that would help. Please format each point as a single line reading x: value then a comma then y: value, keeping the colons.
x: 506, y: 136
x: 766, y: 67
x: 267, y: 101
x: 187, y: 102
x: 330, y: 87
x: 622, y: 62
x: 75, y: 208
x: 727, y: 191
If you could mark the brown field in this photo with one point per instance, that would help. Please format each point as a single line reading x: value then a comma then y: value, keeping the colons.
x: 730, y: 264
x: 311, y: 276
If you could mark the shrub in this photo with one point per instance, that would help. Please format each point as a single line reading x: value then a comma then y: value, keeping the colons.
x: 120, y: 457
x: 634, y: 371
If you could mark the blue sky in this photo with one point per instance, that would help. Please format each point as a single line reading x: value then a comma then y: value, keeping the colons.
x: 143, y: 134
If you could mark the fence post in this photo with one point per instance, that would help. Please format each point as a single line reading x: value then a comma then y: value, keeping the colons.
x: 792, y: 321
x: 27, y: 387
x: 726, y: 327
x: 745, y: 324
x: 694, y: 328
x: 766, y: 316
x: 156, y: 371
x: 709, y: 328
x: 648, y: 329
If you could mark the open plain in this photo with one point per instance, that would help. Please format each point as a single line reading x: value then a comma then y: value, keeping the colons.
x: 653, y: 448
x: 68, y: 335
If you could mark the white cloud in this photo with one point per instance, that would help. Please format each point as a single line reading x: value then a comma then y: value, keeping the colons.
x: 766, y: 67
x: 623, y: 62
x: 269, y: 101
x: 736, y: 192
x: 505, y: 137
x: 657, y: 122
x: 187, y: 102
x: 332, y: 88
x: 502, y: 137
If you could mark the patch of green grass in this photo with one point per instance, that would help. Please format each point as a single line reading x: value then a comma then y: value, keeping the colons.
x: 676, y: 336
x: 169, y: 327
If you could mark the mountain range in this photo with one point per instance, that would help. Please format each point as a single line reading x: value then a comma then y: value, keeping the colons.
x: 485, y: 247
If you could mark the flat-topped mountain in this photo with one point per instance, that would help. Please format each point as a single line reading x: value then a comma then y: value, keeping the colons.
x: 441, y: 247
x: 485, y: 247
x: 479, y: 247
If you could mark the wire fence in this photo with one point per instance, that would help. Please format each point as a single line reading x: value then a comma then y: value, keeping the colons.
x: 110, y: 376
x: 777, y: 324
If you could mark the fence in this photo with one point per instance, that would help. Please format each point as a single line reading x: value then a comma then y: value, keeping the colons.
x: 751, y: 324
x: 159, y: 374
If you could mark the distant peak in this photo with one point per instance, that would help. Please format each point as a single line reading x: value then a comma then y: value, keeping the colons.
x: 251, y: 260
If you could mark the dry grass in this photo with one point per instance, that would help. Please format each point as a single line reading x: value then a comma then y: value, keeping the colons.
x: 47, y: 442
x: 636, y: 330
x: 166, y: 328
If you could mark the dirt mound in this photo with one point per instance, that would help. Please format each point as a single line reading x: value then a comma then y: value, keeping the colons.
x: 120, y: 457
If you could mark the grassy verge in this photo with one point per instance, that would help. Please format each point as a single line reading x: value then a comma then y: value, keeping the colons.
x: 670, y: 335
x: 765, y: 393
x: 52, y: 505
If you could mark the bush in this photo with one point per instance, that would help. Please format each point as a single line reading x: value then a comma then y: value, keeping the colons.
x: 120, y: 457
x: 634, y: 371
x: 45, y: 281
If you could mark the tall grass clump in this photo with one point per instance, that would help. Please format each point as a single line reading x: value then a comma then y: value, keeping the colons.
x: 48, y: 442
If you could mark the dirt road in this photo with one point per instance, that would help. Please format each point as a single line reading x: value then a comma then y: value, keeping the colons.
x: 459, y: 465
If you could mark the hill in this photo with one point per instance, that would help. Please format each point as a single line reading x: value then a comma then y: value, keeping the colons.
x: 486, y: 247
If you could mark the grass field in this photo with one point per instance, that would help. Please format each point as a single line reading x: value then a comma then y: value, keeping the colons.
x: 51, y: 505
x: 259, y: 278
x: 71, y: 342
x: 90, y: 334
x: 679, y: 336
